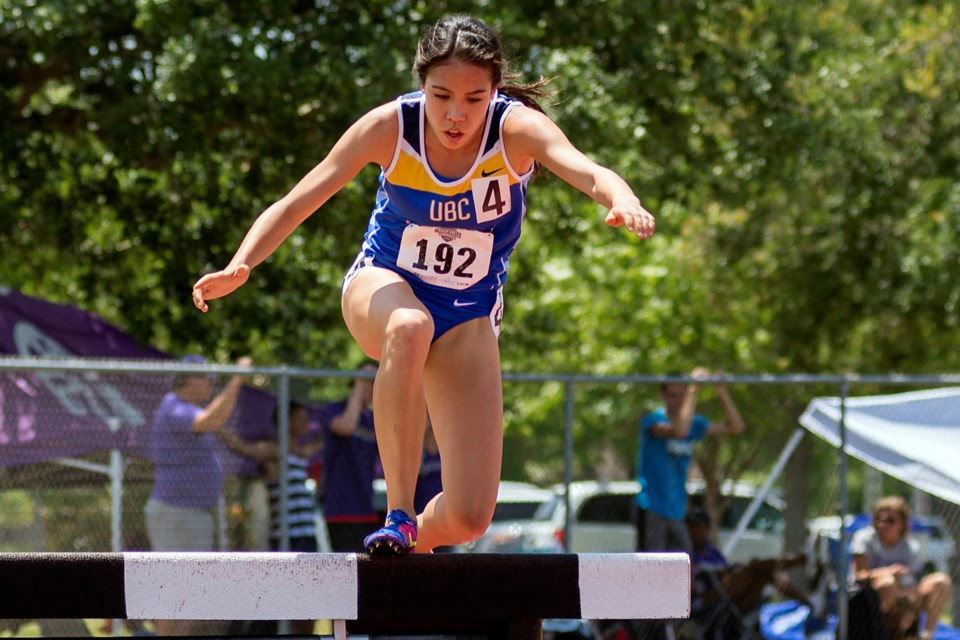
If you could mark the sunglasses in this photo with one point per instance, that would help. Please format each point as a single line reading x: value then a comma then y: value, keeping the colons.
x: 886, y: 519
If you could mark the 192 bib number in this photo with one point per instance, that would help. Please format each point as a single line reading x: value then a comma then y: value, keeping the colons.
x: 446, y: 257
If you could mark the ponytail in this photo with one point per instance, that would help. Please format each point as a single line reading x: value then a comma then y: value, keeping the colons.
x: 530, y: 95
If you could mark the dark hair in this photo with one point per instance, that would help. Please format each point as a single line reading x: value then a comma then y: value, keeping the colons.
x: 468, y: 39
x: 698, y: 517
x: 293, y: 407
x: 666, y: 383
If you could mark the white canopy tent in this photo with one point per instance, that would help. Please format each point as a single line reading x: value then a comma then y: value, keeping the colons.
x: 913, y: 436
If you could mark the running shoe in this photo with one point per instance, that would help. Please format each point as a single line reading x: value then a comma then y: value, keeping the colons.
x: 397, y: 537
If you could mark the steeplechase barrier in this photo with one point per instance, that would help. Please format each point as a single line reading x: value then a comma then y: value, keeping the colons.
x: 500, y: 595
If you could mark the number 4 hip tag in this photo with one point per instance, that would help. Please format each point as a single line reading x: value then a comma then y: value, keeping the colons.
x: 491, y: 197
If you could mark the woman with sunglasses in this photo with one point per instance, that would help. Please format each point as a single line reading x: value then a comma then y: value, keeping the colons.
x: 888, y: 559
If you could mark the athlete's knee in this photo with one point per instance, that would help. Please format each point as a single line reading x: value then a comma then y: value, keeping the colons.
x: 409, y: 330
x: 471, y: 520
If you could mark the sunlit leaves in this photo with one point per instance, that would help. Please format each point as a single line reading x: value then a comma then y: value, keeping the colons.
x: 801, y: 159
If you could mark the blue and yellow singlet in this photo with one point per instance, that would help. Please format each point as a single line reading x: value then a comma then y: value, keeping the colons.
x: 450, y: 239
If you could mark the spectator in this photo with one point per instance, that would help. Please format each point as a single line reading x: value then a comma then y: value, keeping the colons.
x: 726, y: 597
x: 667, y: 438
x: 301, y: 501
x: 429, y: 482
x: 425, y: 293
x: 704, y: 555
x: 710, y: 609
x: 350, y: 461
x: 188, y: 479
x: 888, y: 560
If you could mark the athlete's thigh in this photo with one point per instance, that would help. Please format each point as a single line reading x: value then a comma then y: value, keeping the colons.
x: 463, y: 388
x: 371, y: 297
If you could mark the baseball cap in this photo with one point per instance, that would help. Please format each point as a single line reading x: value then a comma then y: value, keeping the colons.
x: 698, y: 517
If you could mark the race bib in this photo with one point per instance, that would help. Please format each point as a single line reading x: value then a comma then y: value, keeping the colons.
x: 445, y: 257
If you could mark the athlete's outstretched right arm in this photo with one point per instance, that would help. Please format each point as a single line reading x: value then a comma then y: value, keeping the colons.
x: 372, y: 139
x: 532, y: 136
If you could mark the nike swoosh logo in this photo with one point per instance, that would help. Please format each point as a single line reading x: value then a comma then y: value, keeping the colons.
x: 457, y: 303
x: 484, y: 173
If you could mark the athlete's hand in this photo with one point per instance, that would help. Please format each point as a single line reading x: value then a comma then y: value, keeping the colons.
x: 218, y: 284
x: 633, y: 216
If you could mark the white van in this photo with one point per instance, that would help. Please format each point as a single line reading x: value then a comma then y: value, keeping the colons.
x: 604, y: 521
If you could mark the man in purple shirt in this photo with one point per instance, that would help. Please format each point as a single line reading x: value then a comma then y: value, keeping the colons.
x: 188, y: 479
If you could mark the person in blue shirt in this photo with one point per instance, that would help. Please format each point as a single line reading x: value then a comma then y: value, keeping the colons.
x: 667, y: 439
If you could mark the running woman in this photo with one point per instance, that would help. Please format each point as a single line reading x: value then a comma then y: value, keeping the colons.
x: 424, y: 296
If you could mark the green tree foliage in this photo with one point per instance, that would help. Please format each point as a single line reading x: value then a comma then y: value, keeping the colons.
x: 801, y: 159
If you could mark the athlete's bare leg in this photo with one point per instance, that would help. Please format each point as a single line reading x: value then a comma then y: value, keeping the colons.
x: 392, y: 326
x: 464, y: 393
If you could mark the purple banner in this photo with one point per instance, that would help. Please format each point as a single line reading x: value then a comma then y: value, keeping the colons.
x: 45, y: 415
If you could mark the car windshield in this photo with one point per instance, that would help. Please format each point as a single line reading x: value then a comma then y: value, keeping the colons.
x: 546, y: 510
x: 610, y: 507
x: 767, y: 518
x: 515, y: 510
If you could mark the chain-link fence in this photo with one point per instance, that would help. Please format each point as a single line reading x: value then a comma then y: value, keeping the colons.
x: 83, y: 467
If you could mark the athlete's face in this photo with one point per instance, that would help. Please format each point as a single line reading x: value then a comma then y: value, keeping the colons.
x: 457, y: 96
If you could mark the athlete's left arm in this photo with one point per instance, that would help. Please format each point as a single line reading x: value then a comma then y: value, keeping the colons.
x: 531, y: 136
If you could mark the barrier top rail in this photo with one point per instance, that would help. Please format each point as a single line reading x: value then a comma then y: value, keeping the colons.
x: 278, y: 585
